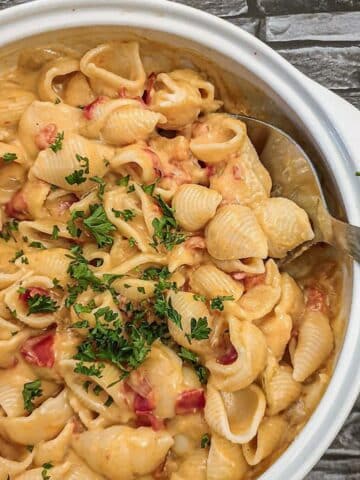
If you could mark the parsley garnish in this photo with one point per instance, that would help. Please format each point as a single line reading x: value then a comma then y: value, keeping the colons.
x: 205, y: 441
x: 123, y: 182
x: 164, y: 309
x: 99, y: 226
x: 108, y: 402
x: 199, y: 329
x: 31, y: 391
x: 38, y: 245
x: 90, y: 371
x: 80, y: 324
x: 101, y: 186
x: 44, y: 473
x: 8, y: 228
x: 57, y: 145
x: 132, y: 242
x: 166, y: 230
x: 127, y: 215
x: 9, y: 157
x: 141, y: 289
x: 55, y: 232
x: 130, y: 189
x: 217, y: 303
x: 190, y: 357
x: 41, y: 304
x: 154, y: 273
x: 149, y: 189
x: 199, y: 298
x: 86, y: 385
x: 71, y: 225
x: 77, y: 177
x: 17, y: 255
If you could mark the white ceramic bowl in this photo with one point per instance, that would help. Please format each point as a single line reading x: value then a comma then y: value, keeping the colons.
x: 332, y: 124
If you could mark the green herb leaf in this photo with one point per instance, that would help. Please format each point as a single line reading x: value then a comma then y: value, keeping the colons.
x: 99, y: 226
x: 199, y: 298
x: 84, y: 162
x: 57, y: 145
x: 31, y: 391
x: 101, y: 186
x: 77, y: 177
x: 166, y: 230
x: 9, y: 157
x: 8, y: 229
x: 205, y: 441
x: 199, y: 329
x: 45, y: 471
x: 132, y: 242
x: 17, y: 255
x: 217, y: 303
x: 149, y: 189
x: 38, y: 245
x: 41, y: 304
x: 72, y: 226
x: 55, y: 232
x: 123, y: 182
x: 127, y: 215
x: 201, y: 371
x: 90, y: 371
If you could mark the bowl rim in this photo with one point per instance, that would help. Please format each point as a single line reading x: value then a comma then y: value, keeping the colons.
x: 217, y: 34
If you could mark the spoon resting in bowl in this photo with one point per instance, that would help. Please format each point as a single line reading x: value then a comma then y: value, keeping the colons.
x: 294, y: 177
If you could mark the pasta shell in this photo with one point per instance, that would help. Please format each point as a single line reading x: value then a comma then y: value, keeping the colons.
x: 134, y: 289
x: 51, y: 70
x: 187, y: 431
x: 235, y: 416
x: 286, y: 225
x: 234, y: 233
x: 78, y: 91
x: 140, y: 158
x: 13, y: 103
x: 269, y: 437
x: 54, y: 167
x: 183, y: 254
x: 57, y: 473
x: 9, y: 348
x: 243, y: 179
x: 79, y: 470
x: 113, y: 66
x: 277, y: 328
x: 194, y: 466
x: 188, y: 308
x: 43, y: 424
x: 225, y: 461
x: 10, y: 468
x: 254, y: 266
x: 52, y: 263
x: 220, y: 136
x: 315, y: 343
x: 122, y: 452
x: 194, y: 206
x: 280, y: 388
x: 210, y: 281
x: 251, y: 349
x: 139, y: 260
x: 56, y: 449
x: 292, y: 298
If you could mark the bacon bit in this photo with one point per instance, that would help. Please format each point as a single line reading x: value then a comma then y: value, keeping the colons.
x: 89, y: 110
x: 239, y: 275
x: 190, y: 401
x: 142, y: 404
x: 210, y: 170
x: 31, y: 292
x: 315, y: 299
x: 140, y: 393
x: 230, y: 356
x: 196, y: 242
x: 148, y: 419
x: 39, y: 350
x: 149, y: 86
x: 17, y: 207
x: 66, y: 203
x: 46, y: 136
x: 254, y: 280
x: 238, y: 172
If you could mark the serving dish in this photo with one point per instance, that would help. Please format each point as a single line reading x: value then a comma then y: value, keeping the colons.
x: 324, y: 122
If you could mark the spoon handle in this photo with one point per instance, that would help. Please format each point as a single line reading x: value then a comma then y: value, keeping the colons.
x: 346, y: 237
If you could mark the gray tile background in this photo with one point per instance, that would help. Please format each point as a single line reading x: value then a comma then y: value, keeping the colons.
x: 321, y: 38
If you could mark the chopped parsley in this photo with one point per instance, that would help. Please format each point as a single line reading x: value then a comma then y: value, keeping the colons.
x: 80, y: 324
x: 205, y: 441
x: 141, y: 289
x: 130, y: 189
x: 166, y: 230
x: 199, y: 329
x: 86, y: 385
x: 199, y: 298
x: 72, y: 226
x: 109, y: 402
x: 132, y: 242
x: 217, y: 303
x: 38, y: 245
x: 99, y: 226
x: 9, y: 157
x: 190, y: 357
x: 123, y: 182
x: 149, y: 189
x: 101, y: 186
x: 77, y: 177
x: 45, y: 471
x: 154, y: 273
x: 57, y: 145
x: 31, y: 391
x: 8, y: 229
x: 18, y: 254
x: 55, y: 232
x: 41, y: 304
x: 127, y: 215
x: 91, y: 370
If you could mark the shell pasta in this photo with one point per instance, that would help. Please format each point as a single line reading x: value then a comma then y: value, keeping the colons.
x: 147, y: 330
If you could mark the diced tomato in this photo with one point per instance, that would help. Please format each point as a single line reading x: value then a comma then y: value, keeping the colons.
x: 88, y: 110
x: 238, y: 275
x: 254, y: 280
x: 315, y: 299
x: 190, y: 401
x: 229, y: 356
x: 17, y: 207
x: 196, y: 242
x: 46, y: 136
x: 31, y: 292
x: 238, y: 172
x: 148, y: 419
x: 149, y: 86
x: 144, y: 404
x: 39, y: 350
x: 140, y: 392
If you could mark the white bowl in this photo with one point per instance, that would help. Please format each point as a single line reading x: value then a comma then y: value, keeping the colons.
x: 331, y: 123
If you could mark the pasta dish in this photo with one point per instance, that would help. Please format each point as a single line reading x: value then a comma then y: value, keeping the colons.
x: 146, y: 330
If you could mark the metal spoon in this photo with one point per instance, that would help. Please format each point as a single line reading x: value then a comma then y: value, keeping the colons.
x: 294, y: 177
